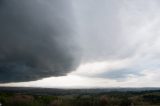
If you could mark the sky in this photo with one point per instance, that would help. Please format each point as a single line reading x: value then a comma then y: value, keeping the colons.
x: 80, y: 43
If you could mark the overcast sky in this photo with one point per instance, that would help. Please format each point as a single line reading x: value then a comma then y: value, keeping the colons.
x: 80, y: 43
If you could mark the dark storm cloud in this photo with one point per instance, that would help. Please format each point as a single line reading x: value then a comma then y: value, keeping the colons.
x: 41, y: 38
x: 35, y: 39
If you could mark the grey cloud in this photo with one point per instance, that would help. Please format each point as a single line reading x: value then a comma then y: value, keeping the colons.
x: 35, y: 39
x: 117, y: 30
x: 100, y: 30
x: 120, y: 74
x: 46, y: 38
x: 114, y: 29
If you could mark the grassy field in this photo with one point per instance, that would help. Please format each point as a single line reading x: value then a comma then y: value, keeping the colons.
x: 102, y: 99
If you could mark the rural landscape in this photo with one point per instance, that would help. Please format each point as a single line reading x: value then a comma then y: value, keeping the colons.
x: 79, y: 97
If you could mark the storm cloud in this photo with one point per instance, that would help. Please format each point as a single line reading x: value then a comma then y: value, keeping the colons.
x: 36, y: 39
x: 109, y: 39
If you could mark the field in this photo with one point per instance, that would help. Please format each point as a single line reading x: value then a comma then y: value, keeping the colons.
x: 89, y: 97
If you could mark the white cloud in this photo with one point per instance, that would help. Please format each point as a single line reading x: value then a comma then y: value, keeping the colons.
x: 99, y: 67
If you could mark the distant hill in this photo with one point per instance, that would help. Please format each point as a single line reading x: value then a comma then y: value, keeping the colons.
x: 55, y: 91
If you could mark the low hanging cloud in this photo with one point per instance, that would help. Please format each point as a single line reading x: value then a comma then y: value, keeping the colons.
x: 40, y: 38
x: 35, y: 39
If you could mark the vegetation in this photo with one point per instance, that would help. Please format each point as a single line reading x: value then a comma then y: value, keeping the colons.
x: 106, y: 99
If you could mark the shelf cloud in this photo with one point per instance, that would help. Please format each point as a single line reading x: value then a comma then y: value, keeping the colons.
x: 109, y: 39
x: 35, y: 39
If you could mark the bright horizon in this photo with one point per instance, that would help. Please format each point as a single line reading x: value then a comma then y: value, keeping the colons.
x: 77, y: 79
